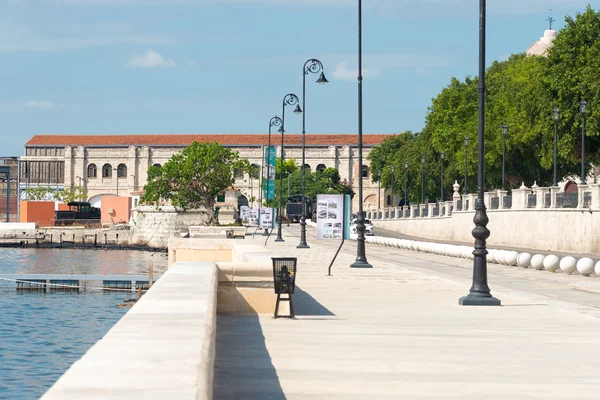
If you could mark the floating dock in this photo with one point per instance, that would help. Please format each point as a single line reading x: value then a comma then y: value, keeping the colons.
x: 50, y: 282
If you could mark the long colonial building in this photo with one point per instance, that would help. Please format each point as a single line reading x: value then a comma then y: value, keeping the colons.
x: 118, y: 164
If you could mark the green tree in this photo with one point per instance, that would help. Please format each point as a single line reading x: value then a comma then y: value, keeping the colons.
x: 71, y: 194
x: 573, y: 75
x: 193, y: 178
x: 39, y: 193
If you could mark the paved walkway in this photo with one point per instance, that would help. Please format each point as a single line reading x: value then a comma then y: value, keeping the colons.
x: 397, y: 332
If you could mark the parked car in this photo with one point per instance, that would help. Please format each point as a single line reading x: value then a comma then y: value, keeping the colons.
x: 368, y: 227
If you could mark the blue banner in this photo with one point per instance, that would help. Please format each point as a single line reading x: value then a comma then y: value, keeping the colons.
x: 269, y: 173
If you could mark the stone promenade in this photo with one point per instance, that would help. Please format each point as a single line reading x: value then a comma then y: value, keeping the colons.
x: 397, y: 332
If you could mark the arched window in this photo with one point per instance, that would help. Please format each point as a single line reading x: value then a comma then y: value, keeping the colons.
x: 365, y: 171
x: 122, y: 171
x: 157, y: 165
x: 91, y: 171
x: 388, y: 200
x: 256, y: 171
x: 238, y: 173
x: 107, y: 171
x: 321, y: 167
x: 307, y: 168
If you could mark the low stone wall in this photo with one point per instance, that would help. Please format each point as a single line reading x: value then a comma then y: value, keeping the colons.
x: 164, y: 347
x: 154, y: 226
x: 561, y: 230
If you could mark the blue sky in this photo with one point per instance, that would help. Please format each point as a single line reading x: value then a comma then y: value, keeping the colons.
x: 223, y: 66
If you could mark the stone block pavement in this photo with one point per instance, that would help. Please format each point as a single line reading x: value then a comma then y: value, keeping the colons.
x: 397, y: 332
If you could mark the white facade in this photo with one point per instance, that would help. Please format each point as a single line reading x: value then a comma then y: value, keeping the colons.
x: 131, y: 163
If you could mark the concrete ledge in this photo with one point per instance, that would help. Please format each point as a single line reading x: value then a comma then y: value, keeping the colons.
x: 164, y: 347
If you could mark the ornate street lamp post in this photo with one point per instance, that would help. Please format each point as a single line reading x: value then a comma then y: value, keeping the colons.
x: 504, y: 137
x: 583, y: 110
x: 442, y: 156
x: 392, y: 202
x: 479, y: 294
x: 312, y: 66
x: 289, y: 99
x: 275, y: 121
x: 406, y: 183
x: 422, y: 179
x: 361, y: 257
x: 466, y: 148
x: 379, y: 190
x: 556, y: 118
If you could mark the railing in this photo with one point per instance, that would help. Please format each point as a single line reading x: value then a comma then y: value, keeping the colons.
x: 531, y: 200
x: 417, y: 213
x: 567, y: 200
x: 507, y: 201
x: 425, y: 212
x: 466, y: 207
x: 436, y: 211
x: 459, y: 205
x: 393, y: 213
x: 547, y: 200
x: 495, y: 203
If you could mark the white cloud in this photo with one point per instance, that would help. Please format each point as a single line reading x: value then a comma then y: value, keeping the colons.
x: 150, y: 59
x: 39, y: 104
x: 343, y: 73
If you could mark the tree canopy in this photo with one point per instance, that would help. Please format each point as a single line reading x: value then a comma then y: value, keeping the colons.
x: 193, y: 178
x: 521, y: 93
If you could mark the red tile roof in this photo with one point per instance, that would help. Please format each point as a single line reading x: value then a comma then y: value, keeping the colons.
x: 225, y: 139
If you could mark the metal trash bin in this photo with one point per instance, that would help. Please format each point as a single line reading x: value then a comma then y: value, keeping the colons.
x: 284, y: 280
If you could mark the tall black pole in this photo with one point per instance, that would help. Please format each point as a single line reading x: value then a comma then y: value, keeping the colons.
x: 422, y: 181
x: 275, y: 121
x: 466, y: 148
x: 479, y: 294
x: 361, y: 256
x: 406, y: 184
x: 583, y: 148
x: 311, y: 66
x: 289, y: 100
x: 379, y: 190
x: 442, y: 176
x: 392, y: 203
x: 503, y: 159
x: 555, y: 183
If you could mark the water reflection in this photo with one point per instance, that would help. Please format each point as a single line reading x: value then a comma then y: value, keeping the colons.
x: 42, y: 334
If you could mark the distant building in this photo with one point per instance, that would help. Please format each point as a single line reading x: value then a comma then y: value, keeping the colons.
x: 9, y: 199
x: 103, y: 164
x: 541, y: 47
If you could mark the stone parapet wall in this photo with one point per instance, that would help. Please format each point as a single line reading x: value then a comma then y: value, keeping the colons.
x: 561, y: 230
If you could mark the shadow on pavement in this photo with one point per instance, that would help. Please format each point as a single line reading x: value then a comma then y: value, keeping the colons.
x: 305, y: 304
x: 243, y: 367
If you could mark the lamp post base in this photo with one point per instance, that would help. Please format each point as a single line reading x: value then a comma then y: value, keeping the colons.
x: 474, y: 300
x: 360, y: 264
x: 266, y: 232
x: 279, y: 240
x: 303, y: 246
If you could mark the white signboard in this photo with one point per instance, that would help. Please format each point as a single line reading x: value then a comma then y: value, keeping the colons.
x: 249, y: 216
x: 266, y: 218
x: 330, y: 216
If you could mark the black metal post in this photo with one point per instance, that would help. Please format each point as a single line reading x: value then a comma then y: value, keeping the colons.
x: 392, y: 203
x: 379, y: 190
x: 288, y: 100
x: 275, y: 121
x: 555, y: 117
x: 466, y: 148
x: 406, y: 183
x: 422, y: 179
x: 442, y: 155
x: 583, y: 109
x: 503, y: 159
x: 311, y: 66
x: 479, y: 294
x: 8, y: 194
x: 361, y: 257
